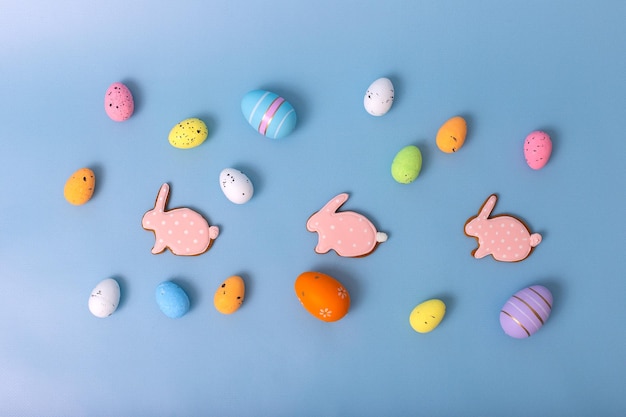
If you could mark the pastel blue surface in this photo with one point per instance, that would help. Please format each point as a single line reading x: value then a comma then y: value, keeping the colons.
x: 257, y: 106
x: 508, y: 68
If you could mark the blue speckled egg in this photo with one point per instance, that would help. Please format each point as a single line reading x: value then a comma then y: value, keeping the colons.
x: 268, y: 114
x: 172, y: 300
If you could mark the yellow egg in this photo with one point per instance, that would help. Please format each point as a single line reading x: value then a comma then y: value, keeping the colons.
x: 188, y: 134
x: 451, y: 135
x: 80, y: 186
x: 229, y: 295
x: 427, y: 315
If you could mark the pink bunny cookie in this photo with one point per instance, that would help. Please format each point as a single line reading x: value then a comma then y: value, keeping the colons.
x: 348, y: 233
x: 182, y: 230
x: 504, y: 237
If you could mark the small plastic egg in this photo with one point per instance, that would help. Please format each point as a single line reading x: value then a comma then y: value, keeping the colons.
x: 172, y: 299
x: 407, y: 164
x: 118, y: 102
x: 379, y: 96
x: 188, y: 134
x: 537, y: 149
x: 322, y: 296
x: 268, y: 114
x: 229, y: 295
x: 526, y: 312
x: 80, y: 186
x: 427, y: 315
x: 451, y: 135
x: 236, y: 186
x: 104, y: 298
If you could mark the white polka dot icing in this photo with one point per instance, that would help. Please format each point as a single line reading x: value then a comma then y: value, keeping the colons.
x: 182, y: 230
x: 504, y: 237
x: 348, y: 233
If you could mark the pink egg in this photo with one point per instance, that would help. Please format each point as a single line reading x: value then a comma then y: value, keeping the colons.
x: 537, y: 149
x: 118, y: 102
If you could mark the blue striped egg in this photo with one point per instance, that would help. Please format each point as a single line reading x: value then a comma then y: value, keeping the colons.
x: 268, y: 113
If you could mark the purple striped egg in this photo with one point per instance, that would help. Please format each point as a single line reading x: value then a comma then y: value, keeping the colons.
x: 268, y: 113
x: 525, y: 312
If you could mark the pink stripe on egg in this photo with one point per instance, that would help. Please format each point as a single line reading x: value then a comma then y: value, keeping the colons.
x: 269, y: 114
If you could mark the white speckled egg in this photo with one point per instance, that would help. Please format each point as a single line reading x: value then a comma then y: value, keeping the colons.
x: 236, y: 186
x: 379, y: 97
x: 104, y: 298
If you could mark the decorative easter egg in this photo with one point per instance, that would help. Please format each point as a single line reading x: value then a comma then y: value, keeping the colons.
x: 451, y: 135
x: 188, y: 134
x: 118, y: 102
x: 229, y: 295
x: 104, y: 298
x: 526, y: 312
x: 80, y: 186
x: 268, y: 114
x: 322, y: 296
x: 407, y: 164
x: 537, y: 149
x: 236, y: 186
x: 427, y: 315
x: 379, y: 97
x: 172, y: 300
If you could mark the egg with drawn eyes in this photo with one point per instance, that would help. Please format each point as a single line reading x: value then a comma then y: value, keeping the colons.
x: 80, y: 186
x: 236, y: 186
x: 379, y: 97
x: 229, y: 295
x: 324, y: 297
x: 104, y: 298
x: 451, y: 135
x: 426, y: 316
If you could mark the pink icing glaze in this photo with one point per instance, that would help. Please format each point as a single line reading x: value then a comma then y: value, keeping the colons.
x: 537, y: 149
x: 350, y: 234
x: 504, y: 237
x: 182, y: 230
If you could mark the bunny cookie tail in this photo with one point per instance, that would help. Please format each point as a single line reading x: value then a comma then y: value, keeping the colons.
x: 214, y: 231
x: 535, y: 239
x: 381, y: 237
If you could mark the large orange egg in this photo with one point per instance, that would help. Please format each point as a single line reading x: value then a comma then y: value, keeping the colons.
x: 322, y: 296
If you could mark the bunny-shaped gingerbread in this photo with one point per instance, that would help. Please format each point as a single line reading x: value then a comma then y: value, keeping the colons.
x: 182, y: 230
x: 504, y: 237
x: 348, y: 233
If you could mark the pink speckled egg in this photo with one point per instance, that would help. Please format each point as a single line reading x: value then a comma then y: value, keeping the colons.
x: 526, y: 312
x: 537, y: 149
x: 118, y: 102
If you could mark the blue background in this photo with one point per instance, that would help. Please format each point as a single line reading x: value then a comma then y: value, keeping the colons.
x: 508, y: 69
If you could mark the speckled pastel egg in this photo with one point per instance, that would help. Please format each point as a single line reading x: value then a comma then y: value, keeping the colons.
x: 268, y: 113
x: 407, y: 164
x: 172, y: 299
x: 229, y: 295
x: 526, y: 312
x: 118, y: 102
x: 236, y: 186
x: 80, y: 186
x: 188, y: 134
x: 104, y: 298
x: 322, y: 296
x: 537, y: 149
x: 379, y: 97
x: 427, y: 315
x: 451, y: 135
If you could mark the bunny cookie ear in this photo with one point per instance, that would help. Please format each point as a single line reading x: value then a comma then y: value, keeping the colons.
x: 162, y: 197
x: 487, y: 208
x: 333, y: 205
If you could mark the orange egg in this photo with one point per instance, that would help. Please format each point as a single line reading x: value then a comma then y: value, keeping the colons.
x: 229, y: 295
x: 451, y: 134
x: 322, y: 296
x: 80, y: 186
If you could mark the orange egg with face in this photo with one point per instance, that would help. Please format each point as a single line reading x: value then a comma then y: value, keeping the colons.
x: 80, y: 187
x: 322, y: 296
x: 451, y: 135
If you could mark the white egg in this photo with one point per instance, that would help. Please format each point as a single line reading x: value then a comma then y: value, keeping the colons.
x: 105, y: 298
x: 379, y: 97
x: 236, y: 186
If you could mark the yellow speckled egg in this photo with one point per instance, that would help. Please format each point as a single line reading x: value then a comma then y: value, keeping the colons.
x: 188, y: 134
x: 229, y: 295
x: 427, y: 315
x: 451, y: 135
x: 80, y: 186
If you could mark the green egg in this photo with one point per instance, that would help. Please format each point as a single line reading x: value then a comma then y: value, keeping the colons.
x: 407, y: 164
